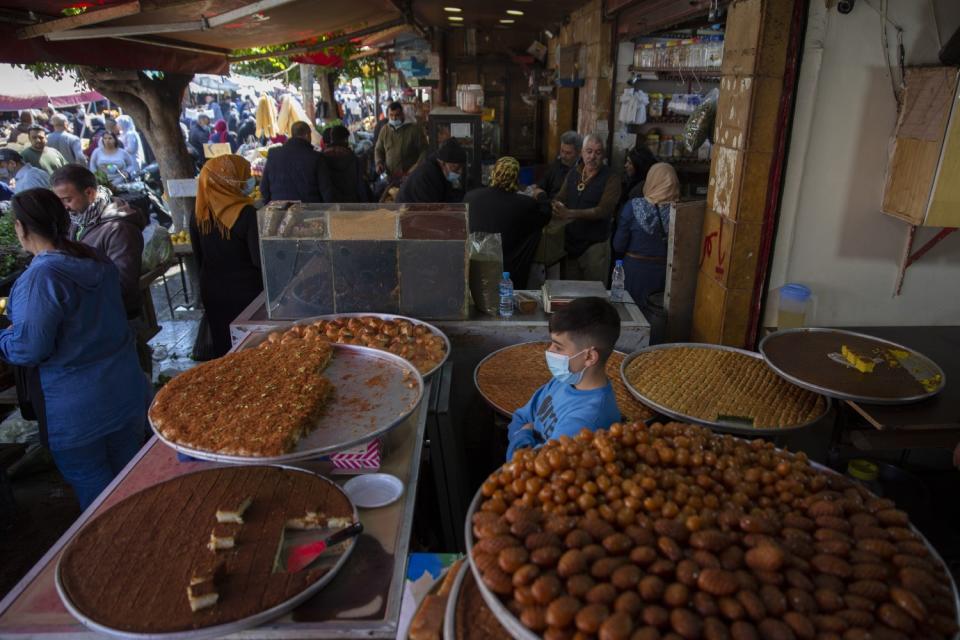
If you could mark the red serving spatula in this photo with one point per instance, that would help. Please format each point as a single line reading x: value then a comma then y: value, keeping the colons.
x: 303, y: 555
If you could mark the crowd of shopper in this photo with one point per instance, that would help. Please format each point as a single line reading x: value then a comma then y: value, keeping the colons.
x: 75, y: 315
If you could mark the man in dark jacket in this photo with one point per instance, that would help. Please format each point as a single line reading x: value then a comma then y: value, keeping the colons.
x: 346, y: 170
x: 114, y: 228
x: 552, y: 180
x: 247, y: 128
x: 519, y: 219
x: 200, y: 133
x: 296, y: 171
x: 438, y: 178
x: 105, y: 223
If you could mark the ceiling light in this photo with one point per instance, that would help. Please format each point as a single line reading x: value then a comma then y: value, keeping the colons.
x: 514, y: 12
x: 455, y: 18
x: 452, y: 9
x: 507, y: 21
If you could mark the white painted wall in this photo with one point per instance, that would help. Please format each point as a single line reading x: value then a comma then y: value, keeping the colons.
x: 832, y: 236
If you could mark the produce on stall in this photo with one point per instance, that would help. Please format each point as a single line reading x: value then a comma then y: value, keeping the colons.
x: 12, y: 256
x: 720, y: 385
x: 146, y: 564
x: 646, y: 530
x: 256, y: 402
x: 508, y: 378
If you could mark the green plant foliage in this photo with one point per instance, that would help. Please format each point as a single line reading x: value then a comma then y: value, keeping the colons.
x: 12, y: 256
x: 48, y: 69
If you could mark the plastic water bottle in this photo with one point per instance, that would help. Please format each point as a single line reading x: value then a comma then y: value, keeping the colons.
x: 617, y: 282
x: 506, y: 296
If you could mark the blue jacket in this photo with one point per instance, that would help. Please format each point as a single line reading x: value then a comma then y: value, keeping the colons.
x: 642, y: 228
x: 68, y: 320
x: 558, y: 409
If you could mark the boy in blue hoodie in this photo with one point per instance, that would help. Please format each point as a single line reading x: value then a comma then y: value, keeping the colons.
x: 582, y: 337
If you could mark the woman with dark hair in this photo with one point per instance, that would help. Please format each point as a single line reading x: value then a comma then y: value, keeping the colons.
x: 112, y: 159
x: 223, y: 232
x: 635, y: 168
x: 70, y: 326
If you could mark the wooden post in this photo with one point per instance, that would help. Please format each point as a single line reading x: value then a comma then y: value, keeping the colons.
x: 757, y: 81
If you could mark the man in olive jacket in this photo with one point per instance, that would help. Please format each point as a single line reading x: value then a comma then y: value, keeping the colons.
x: 400, y: 145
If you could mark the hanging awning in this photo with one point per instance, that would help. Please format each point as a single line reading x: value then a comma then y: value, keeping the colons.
x: 20, y: 89
x: 176, y: 35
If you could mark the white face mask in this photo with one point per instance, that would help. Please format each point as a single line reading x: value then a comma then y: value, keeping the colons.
x: 559, y: 366
x: 395, y: 123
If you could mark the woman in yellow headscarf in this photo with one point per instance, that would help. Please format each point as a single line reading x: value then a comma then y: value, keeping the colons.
x: 519, y: 219
x: 642, y: 231
x: 226, y: 244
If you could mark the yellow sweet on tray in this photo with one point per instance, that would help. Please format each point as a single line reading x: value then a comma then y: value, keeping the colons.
x: 932, y: 383
x: 863, y: 365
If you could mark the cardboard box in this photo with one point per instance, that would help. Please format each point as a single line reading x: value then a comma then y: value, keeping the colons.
x: 720, y: 315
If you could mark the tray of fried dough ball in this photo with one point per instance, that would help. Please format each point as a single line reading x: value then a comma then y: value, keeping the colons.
x: 419, y: 342
x: 671, y: 531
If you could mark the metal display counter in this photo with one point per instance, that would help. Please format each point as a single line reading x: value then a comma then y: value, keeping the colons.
x: 363, y: 601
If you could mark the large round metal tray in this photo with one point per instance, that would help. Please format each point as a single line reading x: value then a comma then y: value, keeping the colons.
x: 497, y: 404
x: 816, y: 366
x: 230, y: 627
x: 453, y: 604
x: 510, y: 623
x: 387, y: 316
x: 357, y: 413
x: 518, y: 631
x: 723, y: 427
x: 449, y: 616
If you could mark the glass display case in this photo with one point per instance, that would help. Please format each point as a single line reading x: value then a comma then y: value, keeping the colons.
x: 409, y: 259
x: 450, y: 122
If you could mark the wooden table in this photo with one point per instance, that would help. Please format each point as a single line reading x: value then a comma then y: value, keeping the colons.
x: 931, y: 423
x: 362, y: 601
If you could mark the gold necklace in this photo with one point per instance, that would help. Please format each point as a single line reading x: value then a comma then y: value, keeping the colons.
x: 582, y: 183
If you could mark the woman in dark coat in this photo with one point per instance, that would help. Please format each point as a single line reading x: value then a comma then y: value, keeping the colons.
x: 226, y: 244
x: 642, y: 232
x: 635, y: 169
x: 519, y: 219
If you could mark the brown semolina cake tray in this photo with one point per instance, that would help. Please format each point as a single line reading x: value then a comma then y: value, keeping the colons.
x: 721, y: 385
x: 510, y: 376
x: 129, y: 569
x: 256, y: 402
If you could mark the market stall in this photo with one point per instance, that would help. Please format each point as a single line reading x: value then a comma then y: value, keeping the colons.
x: 363, y: 600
